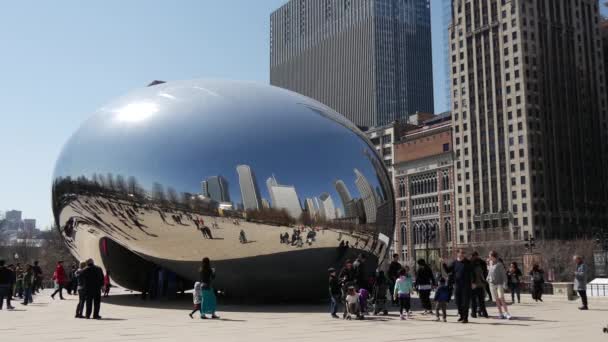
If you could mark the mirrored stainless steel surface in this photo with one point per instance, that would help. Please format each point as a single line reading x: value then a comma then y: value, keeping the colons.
x: 274, y: 187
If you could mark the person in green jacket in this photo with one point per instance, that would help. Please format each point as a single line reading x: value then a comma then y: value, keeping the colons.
x: 28, y: 284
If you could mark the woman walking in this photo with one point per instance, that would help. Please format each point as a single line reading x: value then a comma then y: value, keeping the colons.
x: 514, y: 275
x: 208, y: 300
x: 538, y: 280
x: 497, y: 278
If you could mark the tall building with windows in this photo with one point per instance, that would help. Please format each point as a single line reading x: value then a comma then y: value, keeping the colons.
x: 530, y: 122
x: 370, y: 60
x: 250, y: 192
x: 424, y: 190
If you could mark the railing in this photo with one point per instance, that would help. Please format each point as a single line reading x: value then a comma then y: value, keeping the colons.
x: 597, y: 290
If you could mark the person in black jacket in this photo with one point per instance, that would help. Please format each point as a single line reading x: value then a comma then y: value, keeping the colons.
x: 335, y: 292
x: 393, y: 272
x: 6, y: 284
x: 463, y: 273
x: 425, y: 281
x: 92, y: 276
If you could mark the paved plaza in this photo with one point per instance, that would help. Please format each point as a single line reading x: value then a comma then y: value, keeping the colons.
x: 128, y: 318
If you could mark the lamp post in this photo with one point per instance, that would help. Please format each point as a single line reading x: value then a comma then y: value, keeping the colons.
x: 428, y: 236
x: 530, y: 244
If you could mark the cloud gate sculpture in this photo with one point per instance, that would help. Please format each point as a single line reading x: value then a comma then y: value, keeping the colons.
x: 272, y: 186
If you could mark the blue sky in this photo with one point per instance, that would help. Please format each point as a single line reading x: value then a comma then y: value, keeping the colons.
x: 61, y: 60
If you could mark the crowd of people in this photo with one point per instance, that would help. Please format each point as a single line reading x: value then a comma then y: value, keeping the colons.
x: 469, y: 281
x: 87, y: 281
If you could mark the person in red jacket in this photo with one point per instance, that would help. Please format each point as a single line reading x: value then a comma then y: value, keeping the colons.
x: 60, y: 279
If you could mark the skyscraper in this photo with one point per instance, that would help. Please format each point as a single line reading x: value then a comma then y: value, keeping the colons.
x: 249, y: 188
x: 370, y: 60
x: 368, y: 196
x: 217, y: 189
x: 327, y: 207
x: 284, y: 197
x: 530, y: 119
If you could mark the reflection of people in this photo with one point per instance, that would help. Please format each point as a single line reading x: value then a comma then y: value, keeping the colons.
x: 242, y: 237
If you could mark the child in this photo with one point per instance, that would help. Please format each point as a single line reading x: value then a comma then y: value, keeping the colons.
x: 402, y: 292
x: 352, y: 303
x: 196, y: 298
x: 442, y: 297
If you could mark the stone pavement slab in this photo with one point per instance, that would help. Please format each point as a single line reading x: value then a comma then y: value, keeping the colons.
x: 128, y: 318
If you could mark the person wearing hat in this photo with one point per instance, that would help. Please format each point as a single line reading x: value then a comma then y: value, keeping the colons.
x: 335, y: 292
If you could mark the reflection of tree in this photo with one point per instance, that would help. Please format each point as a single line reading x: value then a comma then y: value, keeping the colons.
x: 172, y: 196
x: 158, y: 193
x: 306, y: 219
x: 275, y: 216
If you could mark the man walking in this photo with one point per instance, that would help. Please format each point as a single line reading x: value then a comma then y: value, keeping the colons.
x: 6, y: 284
x: 580, y: 280
x: 463, y: 273
x: 37, y: 277
x: 92, y: 276
x: 393, y: 273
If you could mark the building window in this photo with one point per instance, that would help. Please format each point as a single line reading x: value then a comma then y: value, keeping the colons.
x: 446, y: 147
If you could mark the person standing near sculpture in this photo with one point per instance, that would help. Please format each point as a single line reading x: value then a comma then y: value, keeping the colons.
x: 92, y: 276
x: 462, y: 271
x: 80, y: 289
x: 28, y: 284
x: 497, y: 278
x: 478, y: 292
x: 538, y: 280
x: 425, y: 281
x: 580, y: 281
x: 37, y: 277
x: 60, y: 280
x: 514, y: 274
x: 6, y: 277
x: 208, y: 300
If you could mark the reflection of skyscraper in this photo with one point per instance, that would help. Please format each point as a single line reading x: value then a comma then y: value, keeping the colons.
x: 367, y: 195
x: 249, y: 188
x: 312, y: 207
x: 204, y: 189
x: 284, y: 197
x: 327, y: 207
x: 217, y: 189
x: 270, y: 182
x: 338, y: 213
x: 347, y: 199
